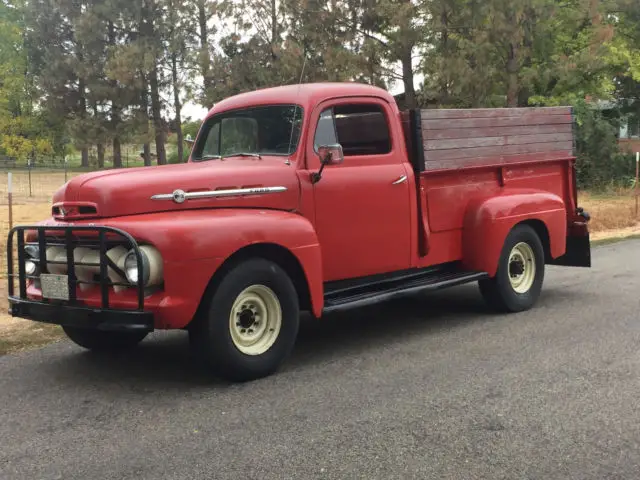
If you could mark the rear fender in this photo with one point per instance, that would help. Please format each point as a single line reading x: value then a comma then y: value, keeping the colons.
x: 489, y: 220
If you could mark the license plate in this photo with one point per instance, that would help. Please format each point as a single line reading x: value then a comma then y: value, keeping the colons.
x: 55, y: 287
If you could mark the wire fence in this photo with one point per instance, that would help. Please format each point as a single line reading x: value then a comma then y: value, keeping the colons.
x: 37, y: 182
x: 32, y: 190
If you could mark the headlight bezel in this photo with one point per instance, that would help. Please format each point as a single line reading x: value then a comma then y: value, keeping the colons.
x: 31, y: 257
x: 131, y: 262
x: 152, y: 266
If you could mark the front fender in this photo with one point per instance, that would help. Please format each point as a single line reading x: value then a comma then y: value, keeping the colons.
x: 195, y: 243
x: 488, y: 221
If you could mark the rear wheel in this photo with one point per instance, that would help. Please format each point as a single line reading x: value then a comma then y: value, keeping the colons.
x: 250, y: 324
x: 518, y: 280
x: 99, y: 340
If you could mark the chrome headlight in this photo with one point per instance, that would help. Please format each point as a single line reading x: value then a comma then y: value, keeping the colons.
x: 32, y: 254
x: 152, y: 271
x: 30, y: 267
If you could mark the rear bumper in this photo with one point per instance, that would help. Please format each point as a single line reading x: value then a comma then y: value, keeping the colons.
x: 83, y: 317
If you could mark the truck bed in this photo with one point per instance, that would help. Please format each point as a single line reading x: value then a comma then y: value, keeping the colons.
x: 461, y: 155
x: 461, y: 138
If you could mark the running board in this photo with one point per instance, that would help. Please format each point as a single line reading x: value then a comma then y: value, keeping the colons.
x: 370, y: 294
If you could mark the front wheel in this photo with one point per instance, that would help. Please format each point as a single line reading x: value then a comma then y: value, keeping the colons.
x: 518, y: 280
x: 103, y: 341
x: 250, y: 324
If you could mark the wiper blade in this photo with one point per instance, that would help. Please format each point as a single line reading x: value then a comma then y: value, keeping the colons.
x: 209, y: 157
x: 243, y: 154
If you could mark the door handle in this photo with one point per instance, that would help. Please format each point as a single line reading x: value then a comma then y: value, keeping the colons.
x: 402, y: 179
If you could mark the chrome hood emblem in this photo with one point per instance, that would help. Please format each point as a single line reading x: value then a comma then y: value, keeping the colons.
x: 179, y: 196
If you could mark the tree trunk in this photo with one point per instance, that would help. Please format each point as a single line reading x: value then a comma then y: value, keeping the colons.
x: 156, y: 112
x: 513, y: 83
x: 149, y: 34
x: 117, y: 153
x: 84, y: 156
x: 205, y: 60
x: 274, y: 28
x: 82, y: 114
x: 144, y: 106
x: 177, y: 105
x: 407, y: 78
x: 100, y: 148
x: 99, y: 139
x: 115, y: 107
x: 527, y: 44
x: 146, y: 152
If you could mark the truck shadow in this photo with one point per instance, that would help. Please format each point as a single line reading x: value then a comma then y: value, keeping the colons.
x: 164, y: 362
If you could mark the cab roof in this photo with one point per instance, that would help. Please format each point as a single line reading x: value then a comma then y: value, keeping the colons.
x: 305, y: 94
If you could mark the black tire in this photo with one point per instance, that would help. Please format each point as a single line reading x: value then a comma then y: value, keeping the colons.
x: 211, y: 336
x: 498, y: 292
x: 103, y: 341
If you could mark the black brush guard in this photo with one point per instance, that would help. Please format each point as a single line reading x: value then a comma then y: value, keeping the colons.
x: 72, y: 313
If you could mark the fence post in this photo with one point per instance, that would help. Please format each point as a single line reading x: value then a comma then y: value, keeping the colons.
x: 637, y: 178
x: 10, y: 200
x: 29, y: 169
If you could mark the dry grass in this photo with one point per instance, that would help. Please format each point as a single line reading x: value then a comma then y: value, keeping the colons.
x: 609, y: 213
x: 611, y: 216
x: 17, y: 334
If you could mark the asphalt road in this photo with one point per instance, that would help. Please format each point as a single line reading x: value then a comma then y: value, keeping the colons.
x: 432, y: 387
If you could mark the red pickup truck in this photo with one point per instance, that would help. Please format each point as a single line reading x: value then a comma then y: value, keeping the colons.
x: 313, y: 197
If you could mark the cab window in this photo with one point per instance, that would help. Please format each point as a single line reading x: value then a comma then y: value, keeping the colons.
x: 361, y: 129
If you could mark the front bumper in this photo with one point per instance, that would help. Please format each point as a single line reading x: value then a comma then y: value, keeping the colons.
x: 74, y: 311
x: 73, y: 316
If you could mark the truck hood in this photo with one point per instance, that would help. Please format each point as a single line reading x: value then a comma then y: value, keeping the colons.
x: 235, y: 182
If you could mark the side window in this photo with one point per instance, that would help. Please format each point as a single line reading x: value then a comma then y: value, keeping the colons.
x: 362, y: 129
x: 325, y: 131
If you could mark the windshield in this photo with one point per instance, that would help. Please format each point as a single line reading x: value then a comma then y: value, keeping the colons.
x: 254, y: 131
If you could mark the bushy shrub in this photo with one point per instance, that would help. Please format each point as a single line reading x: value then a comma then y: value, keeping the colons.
x: 601, y: 164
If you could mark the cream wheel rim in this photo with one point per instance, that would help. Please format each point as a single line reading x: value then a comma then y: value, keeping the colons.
x: 522, y: 267
x: 255, y: 320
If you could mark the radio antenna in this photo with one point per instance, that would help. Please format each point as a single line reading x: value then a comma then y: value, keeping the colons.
x: 293, y: 120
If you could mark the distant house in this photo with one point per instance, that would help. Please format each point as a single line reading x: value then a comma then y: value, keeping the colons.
x: 629, y: 126
x: 629, y: 137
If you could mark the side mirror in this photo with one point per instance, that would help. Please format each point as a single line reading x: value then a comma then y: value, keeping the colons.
x: 331, y: 154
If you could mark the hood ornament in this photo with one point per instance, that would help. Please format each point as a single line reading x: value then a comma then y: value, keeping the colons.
x: 179, y: 196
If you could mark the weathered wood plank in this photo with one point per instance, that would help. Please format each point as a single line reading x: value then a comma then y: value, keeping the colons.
x: 496, y: 131
x: 434, y: 166
x: 524, y: 120
x: 458, y: 138
x: 492, y: 112
x: 460, y: 143
x: 484, y: 152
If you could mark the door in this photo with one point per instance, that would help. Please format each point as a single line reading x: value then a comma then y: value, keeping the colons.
x: 362, y: 206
